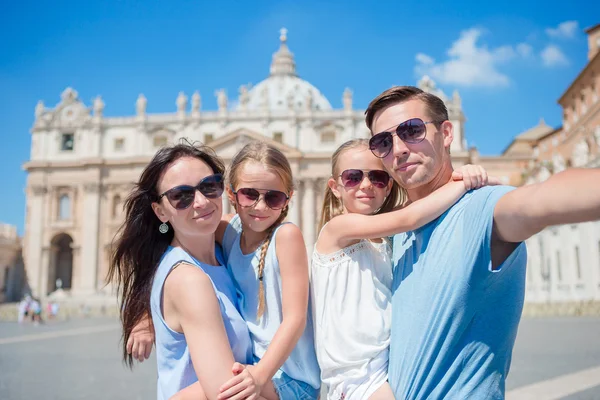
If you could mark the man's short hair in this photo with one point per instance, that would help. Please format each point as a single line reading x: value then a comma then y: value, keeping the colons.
x: 399, y: 94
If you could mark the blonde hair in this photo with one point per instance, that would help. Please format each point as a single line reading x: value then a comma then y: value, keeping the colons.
x: 276, y: 161
x: 332, y: 206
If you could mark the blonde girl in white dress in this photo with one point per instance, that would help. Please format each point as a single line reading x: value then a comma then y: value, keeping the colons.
x: 351, y: 272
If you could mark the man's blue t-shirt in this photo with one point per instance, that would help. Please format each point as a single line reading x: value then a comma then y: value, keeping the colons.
x: 454, y: 319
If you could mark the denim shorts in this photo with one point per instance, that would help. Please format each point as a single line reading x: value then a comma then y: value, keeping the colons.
x: 291, y: 389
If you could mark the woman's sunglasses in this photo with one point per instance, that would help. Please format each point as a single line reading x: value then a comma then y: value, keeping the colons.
x: 353, y: 177
x: 248, y: 197
x: 412, y: 131
x: 181, y: 197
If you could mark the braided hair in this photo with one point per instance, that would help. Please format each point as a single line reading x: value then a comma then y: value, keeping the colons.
x: 261, y: 264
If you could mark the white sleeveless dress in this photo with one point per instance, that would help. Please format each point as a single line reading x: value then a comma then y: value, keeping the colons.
x: 351, y: 299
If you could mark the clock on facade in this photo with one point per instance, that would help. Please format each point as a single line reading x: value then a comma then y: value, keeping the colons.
x: 68, y: 113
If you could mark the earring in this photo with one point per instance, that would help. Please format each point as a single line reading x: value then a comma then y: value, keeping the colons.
x: 163, y: 228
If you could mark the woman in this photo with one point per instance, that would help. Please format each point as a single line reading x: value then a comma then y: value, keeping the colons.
x: 165, y: 264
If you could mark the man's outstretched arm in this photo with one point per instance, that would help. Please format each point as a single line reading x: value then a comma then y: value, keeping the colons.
x: 568, y: 197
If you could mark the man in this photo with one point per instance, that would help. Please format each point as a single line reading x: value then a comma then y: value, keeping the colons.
x: 459, y: 281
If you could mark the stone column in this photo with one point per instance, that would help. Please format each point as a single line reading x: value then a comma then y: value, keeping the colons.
x: 589, y: 246
x: 44, y: 272
x: 308, y: 213
x: 534, y: 282
x: 35, y: 238
x: 76, y: 267
x: 226, y: 205
x: 88, y: 267
x: 294, y: 212
x: 103, y: 261
x: 320, y: 195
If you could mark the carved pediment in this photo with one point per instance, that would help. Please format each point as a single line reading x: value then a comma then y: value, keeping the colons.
x: 329, y: 126
x: 160, y: 136
x: 69, y: 113
x: 227, y: 146
x: 162, y: 131
x: 329, y: 131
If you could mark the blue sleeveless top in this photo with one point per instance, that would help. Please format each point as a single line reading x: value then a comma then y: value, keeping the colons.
x: 302, y: 363
x: 175, y: 369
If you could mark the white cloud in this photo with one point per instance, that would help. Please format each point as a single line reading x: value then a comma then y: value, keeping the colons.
x: 504, y: 53
x: 524, y: 49
x: 424, y: 59
x: 552, y: 56
x: 470, y: 64
x: 564, y: 30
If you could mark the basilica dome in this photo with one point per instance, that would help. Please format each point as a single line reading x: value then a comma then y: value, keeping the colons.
x: 283, y: 90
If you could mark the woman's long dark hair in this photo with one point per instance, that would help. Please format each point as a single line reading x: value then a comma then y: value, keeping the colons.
x: 138, y: 245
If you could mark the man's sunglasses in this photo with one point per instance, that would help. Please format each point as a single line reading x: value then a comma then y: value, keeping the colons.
x: 248, y: 197
x: 412, y: 131
x: 181, y: 197
x: 353, y: 177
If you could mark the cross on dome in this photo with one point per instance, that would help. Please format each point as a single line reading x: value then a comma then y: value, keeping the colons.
x: 283, y: 60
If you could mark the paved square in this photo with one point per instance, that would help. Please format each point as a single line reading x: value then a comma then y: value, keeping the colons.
x: 553, y: 358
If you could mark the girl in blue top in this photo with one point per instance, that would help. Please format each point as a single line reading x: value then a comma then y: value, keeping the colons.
x: 165, y: 264
x: 268, y: 261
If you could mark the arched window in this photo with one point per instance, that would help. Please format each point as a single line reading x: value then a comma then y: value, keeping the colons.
x: 64, y: 207
x: 581, y: 153
x: 159, y: 141
x: 328, y: 136
x: 117, y: 206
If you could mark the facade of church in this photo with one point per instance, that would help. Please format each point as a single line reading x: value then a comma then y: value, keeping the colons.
x: 82, y: 166
x: 564, y: 261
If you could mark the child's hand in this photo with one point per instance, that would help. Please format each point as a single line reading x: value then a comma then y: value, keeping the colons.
x: 474, y: 177
x: 241, y: 386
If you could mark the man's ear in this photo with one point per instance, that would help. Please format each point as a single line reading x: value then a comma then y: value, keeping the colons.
x: 447, y: 130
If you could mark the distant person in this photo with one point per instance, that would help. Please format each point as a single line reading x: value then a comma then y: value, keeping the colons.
x: 35, y: 309
x: 23, y: 309
x: 52, y: 309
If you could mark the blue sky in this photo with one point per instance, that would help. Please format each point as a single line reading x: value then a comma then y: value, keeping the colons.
x: 509, y: 60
